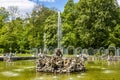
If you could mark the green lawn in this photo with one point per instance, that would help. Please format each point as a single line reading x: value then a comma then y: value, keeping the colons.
x: 24, y: 55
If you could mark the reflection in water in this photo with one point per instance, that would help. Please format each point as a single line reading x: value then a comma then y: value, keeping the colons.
x: 70, y: 78
x: 41, y: 78
x: 55, y: 77
x: 108, y: 62
x: 29, y: 67
x: 80, y: 76
x: 9, y: 64
x: 83, y: 74
x: 112, y: 62
x: 18, y: 70
x: 95, y: 67
x: 25, y: 70
x: 9, y: 73
x: 103, y: 68
x: 108, y: 71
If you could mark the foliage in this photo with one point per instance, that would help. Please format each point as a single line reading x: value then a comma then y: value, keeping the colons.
x: 88, y: 23
x: 51, y: 30
x: 68, y: 18
x: 96, y: 21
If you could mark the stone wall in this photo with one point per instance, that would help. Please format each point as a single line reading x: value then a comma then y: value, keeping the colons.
x: 59, y: 64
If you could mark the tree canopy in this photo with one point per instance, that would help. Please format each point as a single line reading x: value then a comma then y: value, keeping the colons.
x: 88, y: 23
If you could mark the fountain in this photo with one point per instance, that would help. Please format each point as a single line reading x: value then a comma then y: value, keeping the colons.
x: 57, y: 62
x: 45, y: 49
x: 59, y: 31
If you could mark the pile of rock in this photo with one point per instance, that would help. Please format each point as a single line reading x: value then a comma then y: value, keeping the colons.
x: 59, y: 64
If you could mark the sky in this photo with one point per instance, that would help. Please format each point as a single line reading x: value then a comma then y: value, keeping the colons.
x: 27, y: 5
x: 59, y: 4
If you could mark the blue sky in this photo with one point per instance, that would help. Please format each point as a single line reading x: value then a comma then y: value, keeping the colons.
x: 58, y: 4
x: 27, y: 5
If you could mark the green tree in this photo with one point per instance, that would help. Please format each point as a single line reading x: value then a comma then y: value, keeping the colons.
x: 39, y: 16
x: 68, y: 18
x: 51, y: 30
x: 3, y: 16
x: 95, y: 21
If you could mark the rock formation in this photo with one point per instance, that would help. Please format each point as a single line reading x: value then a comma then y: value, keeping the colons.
x: 59, y: 64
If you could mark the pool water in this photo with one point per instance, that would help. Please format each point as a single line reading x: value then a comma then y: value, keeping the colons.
x: 26, y: 70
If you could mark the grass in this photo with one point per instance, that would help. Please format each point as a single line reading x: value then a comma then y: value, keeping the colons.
x: 24, y: 55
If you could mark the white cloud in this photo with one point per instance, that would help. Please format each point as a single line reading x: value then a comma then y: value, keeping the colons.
x: 47, y: 0
x: 23, y: 5
x: 26, y: 5
x: 76, y: 0
x: 118, y: 2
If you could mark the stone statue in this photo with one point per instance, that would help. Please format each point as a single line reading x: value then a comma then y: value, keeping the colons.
x: 58, y: 52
